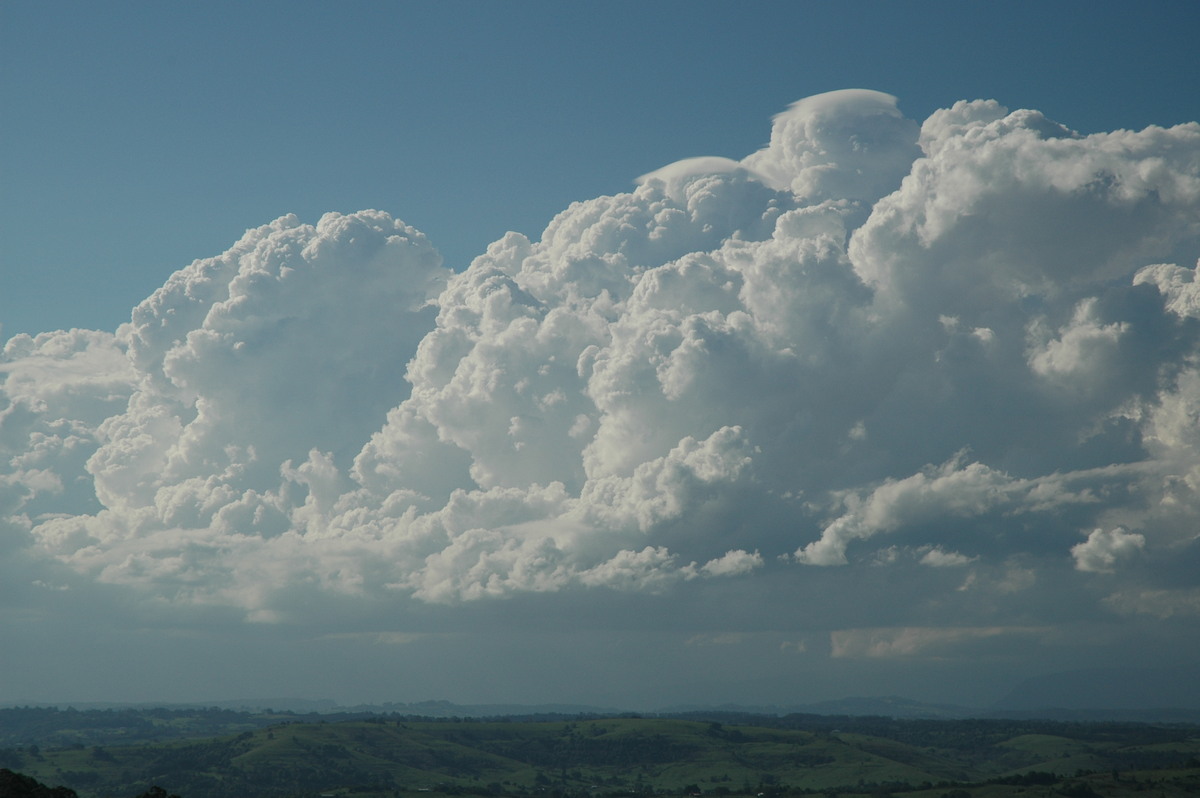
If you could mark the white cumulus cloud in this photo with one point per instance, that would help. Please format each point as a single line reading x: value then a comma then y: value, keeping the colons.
x: 1104, y: 548
x: 972, y: 336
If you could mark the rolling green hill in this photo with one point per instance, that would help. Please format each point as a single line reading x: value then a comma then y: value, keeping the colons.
x: 619, y: 756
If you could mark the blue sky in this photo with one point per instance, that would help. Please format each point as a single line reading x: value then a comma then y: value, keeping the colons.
x: 894, y: 392
x: 138, y: 136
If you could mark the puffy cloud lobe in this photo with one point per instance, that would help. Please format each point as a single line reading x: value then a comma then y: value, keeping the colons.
x: 296, y: 338
x: 664, y: 488
x: 1104, y: 548
x: 734, y: 360
x: 677, y: 177
x: 850, y: 144
x: 732, y: 562
x: 948, y: 490
x: 1077, y: 355
x: 952, y: 490
x: 1176, y: 284
x: 56, y: 391
x: 937, y: 558
x: 1005, y: 205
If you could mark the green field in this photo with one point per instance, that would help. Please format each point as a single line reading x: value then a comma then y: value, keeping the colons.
x: 289, y: 756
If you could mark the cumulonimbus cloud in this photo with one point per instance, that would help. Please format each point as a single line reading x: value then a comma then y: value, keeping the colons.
x: 869, y: 328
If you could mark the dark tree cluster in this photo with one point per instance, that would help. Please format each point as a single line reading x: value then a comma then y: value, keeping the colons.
x: 18, y: 785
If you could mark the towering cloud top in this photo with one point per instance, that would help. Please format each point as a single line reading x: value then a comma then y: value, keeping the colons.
x: 852, y: 144
x: 967, y: 346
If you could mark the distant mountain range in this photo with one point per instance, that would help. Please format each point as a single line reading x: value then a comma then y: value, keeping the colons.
x: 1094, y: 694
x: 1099, y: 694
